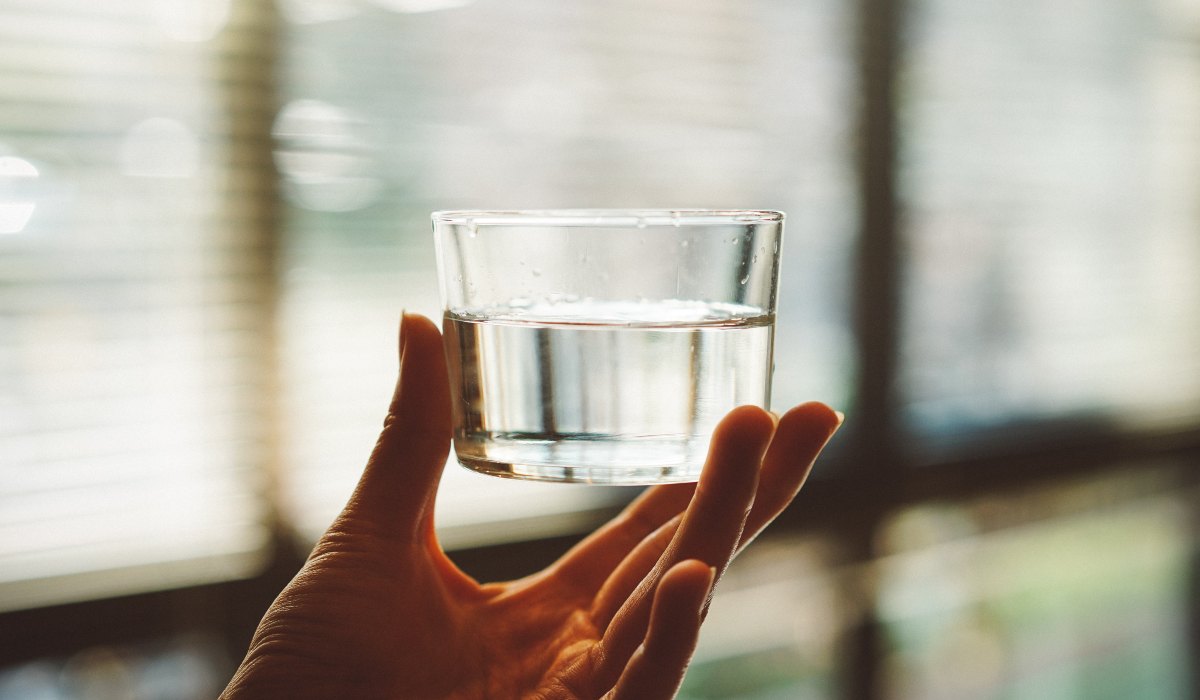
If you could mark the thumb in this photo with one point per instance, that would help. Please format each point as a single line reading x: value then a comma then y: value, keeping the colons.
x: 398, y: 486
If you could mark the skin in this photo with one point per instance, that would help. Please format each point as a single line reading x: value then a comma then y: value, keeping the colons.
x: 379, y: 611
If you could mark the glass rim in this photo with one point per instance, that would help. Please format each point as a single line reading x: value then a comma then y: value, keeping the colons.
x: 605, y: 217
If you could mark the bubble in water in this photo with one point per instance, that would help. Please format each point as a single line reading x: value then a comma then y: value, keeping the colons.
x: 536, y: 272
x: 746, y: 279
x: 684, y: 243
x: 734, y: 240
x: 754, y: 259
x: 641, y: 223
x: 472, y: 229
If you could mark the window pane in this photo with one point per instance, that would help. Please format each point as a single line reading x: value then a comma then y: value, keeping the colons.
x: 1049, y: 166
x: 1082, y: 592
x: 190, y: 666
x: 127, y: 310
x: 390, y: 113
x: 777, y: 622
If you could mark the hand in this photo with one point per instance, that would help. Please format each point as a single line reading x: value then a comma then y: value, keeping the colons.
x: 379, y: 611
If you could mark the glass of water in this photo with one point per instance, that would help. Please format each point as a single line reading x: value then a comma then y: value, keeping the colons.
x: 603, y: 346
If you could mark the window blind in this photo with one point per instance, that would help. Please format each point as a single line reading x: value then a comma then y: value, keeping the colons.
x: 1050, y: 156
x: 150, y: 424
x: 131, y: 297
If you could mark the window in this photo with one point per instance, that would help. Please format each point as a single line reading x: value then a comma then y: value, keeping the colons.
x: 1051, y: 215
x: 978, y: 601
x: 213, y: 211
x: 130, y: 302
x: 223, y: 269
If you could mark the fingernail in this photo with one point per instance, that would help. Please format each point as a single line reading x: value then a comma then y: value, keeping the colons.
x: 403, y: 321
x: 712, y: 576
x: 841, y: 417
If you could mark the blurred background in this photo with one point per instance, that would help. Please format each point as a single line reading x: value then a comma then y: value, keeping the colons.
x: 213, y: 211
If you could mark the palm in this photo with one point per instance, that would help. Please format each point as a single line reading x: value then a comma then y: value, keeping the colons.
x: 380, y: 611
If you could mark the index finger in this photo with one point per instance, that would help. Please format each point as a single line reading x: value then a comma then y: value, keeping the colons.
x: 713, y: 521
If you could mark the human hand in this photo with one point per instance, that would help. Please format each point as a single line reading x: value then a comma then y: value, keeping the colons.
x: 380, y: 611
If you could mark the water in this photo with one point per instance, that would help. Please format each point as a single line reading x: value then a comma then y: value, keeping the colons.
x: 622, y: 392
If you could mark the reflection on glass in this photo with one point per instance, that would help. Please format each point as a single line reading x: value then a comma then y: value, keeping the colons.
x: 1081, y: 592
x: 16, y: 204
x: 1049, y: 158
x: 325, y: 161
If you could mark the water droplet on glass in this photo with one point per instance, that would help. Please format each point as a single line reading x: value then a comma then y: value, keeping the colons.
x: 641, y: 223
x: 733, y: 240
x: 458, y: 278
x: 472, y: 229
x: 536, y: 272
x: 754, y: 259
x: 746, y: 279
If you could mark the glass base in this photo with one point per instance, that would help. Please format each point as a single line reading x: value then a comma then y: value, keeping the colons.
x: 612, y: 476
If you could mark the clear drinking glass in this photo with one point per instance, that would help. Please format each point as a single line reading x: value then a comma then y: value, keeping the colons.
x: 603, y: 346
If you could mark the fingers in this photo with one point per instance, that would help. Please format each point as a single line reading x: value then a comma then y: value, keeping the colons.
x: 626, y: 577
x: 800, y: 436
x: 713, y: 521
x: 396, y: 491
x: 588, y: 564
x: 591, y: 562
x: 710, y: 529
x: 657, y: 668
